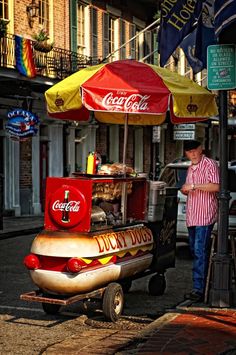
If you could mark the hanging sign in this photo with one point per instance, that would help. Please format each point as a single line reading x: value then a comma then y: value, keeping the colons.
x: 21, y: 124
x: 156, y: 134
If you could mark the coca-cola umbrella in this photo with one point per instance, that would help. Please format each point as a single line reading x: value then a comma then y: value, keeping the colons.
x: 129, y: 92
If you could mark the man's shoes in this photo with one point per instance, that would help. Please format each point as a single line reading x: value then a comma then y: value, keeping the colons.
x: 194, y: 296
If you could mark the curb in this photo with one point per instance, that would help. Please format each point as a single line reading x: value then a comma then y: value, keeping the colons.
x: 17, y: 233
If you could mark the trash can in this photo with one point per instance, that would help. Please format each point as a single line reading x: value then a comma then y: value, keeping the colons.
x: 156, y: 200
x: 164, y: 232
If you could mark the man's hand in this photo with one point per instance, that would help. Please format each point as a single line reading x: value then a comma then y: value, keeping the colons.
x: 209, y: 187
x: 186, y: 188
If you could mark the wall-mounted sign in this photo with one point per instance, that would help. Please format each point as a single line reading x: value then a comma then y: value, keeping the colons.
x: 156, y: 134
x: 183, y: 126
x: 221, y: 67
x: 184, y: 135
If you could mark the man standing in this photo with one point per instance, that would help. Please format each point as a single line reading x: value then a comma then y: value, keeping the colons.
x: 201, y: 187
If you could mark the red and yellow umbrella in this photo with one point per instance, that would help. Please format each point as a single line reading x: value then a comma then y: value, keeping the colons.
x: 127, y: 88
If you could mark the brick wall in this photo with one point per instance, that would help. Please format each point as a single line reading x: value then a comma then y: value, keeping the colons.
x: 130, y: 146
x: 61, y: 24
x: 147, y: 146
x: 25, y: 165
x: 61, y: 28
x: 170, y: 151
x: 100, y: 34
x: 102, y: 139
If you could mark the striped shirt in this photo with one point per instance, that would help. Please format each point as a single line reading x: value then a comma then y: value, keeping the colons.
x: 202, y: 206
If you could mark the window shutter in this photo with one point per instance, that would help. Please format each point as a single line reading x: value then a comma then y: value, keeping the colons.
x: 73, y: 25
x: 148, y: 44
x: 132, y: 32
x: 94, y: 30
x: 105, y: 35
x: 122, y: 39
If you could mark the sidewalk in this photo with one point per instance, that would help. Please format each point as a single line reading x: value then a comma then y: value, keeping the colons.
x: 193, y: 330
x: 189, y: 330
x: 16, y: 226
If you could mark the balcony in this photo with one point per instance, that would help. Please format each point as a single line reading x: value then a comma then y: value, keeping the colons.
x: 56, y: 64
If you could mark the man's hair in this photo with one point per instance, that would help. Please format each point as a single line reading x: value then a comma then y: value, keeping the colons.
x: 189, y: 145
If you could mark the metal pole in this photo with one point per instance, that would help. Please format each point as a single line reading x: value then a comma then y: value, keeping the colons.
x: 221, y: 292
x: 1, y: 174
x: 1, y: 201
x: 125, y: 139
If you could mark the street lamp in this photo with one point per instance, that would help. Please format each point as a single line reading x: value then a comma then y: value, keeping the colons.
x: 32, y: 11
x: 221, y: 293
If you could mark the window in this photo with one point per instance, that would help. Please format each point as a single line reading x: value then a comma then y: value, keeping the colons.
x: 81, y: 29
x: 44, y: 14
x: 108, y: 35
x: 4, y: 10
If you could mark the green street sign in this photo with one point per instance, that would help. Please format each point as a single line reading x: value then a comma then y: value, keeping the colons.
x: 221, y: 67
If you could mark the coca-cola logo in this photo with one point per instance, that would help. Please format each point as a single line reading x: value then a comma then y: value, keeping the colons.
x: 131, y: 103
x: 71, y: 206
x: 67, y: 206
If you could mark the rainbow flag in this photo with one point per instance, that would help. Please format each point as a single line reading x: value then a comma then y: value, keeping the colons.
x: 24, y: 57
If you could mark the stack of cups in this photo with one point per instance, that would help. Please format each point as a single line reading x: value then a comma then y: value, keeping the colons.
x: 156, y: 200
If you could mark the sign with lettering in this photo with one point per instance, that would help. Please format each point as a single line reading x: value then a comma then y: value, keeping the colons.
x: 156, y: 134
x: 124, y: 240
x: 187, y: 126
x: 221, y: 67
x: 184, y: 135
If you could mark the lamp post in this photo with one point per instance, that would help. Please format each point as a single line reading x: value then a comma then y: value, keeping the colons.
x: 156, y: 138
x: 1, y: 175
x: 221, y: 294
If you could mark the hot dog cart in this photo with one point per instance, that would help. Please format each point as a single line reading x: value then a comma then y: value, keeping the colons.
x: 97, y: 239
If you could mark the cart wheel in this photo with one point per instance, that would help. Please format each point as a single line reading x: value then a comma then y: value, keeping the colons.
x: 113, y: 301
x: 50, y: 308
x: 126, y: 285
x: 157, y: 285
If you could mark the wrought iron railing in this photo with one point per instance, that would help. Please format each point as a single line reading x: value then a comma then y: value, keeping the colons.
x: 58, y: 63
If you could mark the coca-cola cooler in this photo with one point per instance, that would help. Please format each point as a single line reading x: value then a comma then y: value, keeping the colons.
x: 83, y: 203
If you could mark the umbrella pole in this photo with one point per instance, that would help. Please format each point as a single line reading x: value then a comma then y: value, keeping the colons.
x: 125, y: 141
x: 124, y: 185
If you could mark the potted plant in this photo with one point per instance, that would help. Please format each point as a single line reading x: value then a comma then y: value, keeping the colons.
x: 3, y: 27
x: 41, y: 41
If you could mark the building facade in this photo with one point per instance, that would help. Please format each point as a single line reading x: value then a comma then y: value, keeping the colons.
x: 78, y: 34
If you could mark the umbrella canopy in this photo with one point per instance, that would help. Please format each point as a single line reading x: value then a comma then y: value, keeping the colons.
x: 145, y: 92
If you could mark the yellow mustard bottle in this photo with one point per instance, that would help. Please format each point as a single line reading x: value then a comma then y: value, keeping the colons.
x: 90, y: 163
